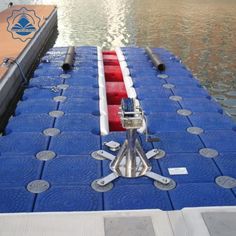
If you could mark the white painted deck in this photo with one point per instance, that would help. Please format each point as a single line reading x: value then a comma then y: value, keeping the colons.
x: 186, y: 222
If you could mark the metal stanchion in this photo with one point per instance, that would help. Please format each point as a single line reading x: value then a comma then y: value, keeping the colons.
x: 131, y: 160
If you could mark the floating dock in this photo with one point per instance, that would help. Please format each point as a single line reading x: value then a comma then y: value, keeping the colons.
x: 64, y: 116
x: 18, y: 54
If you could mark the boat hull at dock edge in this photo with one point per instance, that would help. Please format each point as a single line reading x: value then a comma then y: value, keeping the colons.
x: 23, y: 55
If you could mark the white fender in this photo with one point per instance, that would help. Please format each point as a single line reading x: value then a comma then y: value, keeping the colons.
x: 104, y: 125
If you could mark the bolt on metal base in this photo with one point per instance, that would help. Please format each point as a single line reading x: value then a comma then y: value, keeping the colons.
x: 131, y: 160
x: 130, y: 165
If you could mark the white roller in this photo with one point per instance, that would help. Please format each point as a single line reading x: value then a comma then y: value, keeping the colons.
x: 104, y: 125
x: 123, y: 64
x: 99, y: 54
x: 125, y: 71
x: 131, y: 92
x: 128, y: 81
x: 101, y: 71
x: 100, y: 81
x: 102, y: 101
x: 119, y: 54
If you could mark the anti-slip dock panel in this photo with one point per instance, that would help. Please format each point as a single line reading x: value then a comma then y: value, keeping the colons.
x: 29, y: 123
x: 81, y: 92
x: 75, y: 143
x: 167, y: 122
x: 48, y: 71
x: 30, y: 106
x: 42, y: 82
x: 211, y: 121
x: 14, y: 200
x: 179, y: 80
x: 80, y: 105
x: 72, y: 122
x: 190, y: 92
x: 153, y: 93
x: 40, y: 92
x: 142, y: 73
x: 207, y: 169
x: 70, y: 102
x: 221, y: 140
x: 17, y: 171
x: 226, y: 163
x: 159, y: 105
x: 201, y: 194
x: 180, y: 141
x: 72, y: 170
x: 83, y: 73
x: 200, y: 105
x: 83, y: 81
x: 23, y: 143
x: 149, y: 82
x: 136, y: 197
x: 69, y: 198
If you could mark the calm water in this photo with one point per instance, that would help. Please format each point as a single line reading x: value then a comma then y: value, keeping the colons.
x: 202, y: 33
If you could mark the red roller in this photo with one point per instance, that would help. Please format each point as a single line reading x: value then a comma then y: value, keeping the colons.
x: 113, y: 73
x: 110, y: 60
x: 115, y: 92
x: 114, y: 118
x: 109, y: 53
x: 115, y: 88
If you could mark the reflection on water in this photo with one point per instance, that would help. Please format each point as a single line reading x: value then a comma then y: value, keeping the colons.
x: 201, y: 32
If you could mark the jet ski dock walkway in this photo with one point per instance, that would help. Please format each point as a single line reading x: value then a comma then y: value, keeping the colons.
x: 63, y: 117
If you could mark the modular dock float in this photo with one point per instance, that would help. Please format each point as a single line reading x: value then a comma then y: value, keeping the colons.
x: 46, y: 153
x: 20, y: 51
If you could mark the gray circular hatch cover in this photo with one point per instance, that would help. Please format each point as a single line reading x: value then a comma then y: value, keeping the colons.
x: 168, y: 86
x: 208, y: 152
x: 162, y: 76
x: 51, y: 132
x: 226, y: 181
x: 59, y: 98
x: 165, y: 187
x: 184, y: 112
x: 99, y: 188
x: 175, y: 98
x: 45, y: 155
x: 195, y: 130
x: 56, y: 114
x: 38, y: 186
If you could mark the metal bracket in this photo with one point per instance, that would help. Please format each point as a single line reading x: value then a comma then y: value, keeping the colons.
x: 113, y: 146
x: 131, y: 160
x: 158, y: 178
x: 107, y: 179
x: 102, y: 155
x: 152, y: 153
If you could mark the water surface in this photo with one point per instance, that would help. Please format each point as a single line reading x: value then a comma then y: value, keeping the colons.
x: 202, y: 33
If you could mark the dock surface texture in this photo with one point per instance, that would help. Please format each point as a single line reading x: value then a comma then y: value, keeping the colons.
x: 60, y: 112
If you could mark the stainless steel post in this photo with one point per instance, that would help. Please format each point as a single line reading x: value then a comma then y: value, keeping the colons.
x: 131, y: 153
